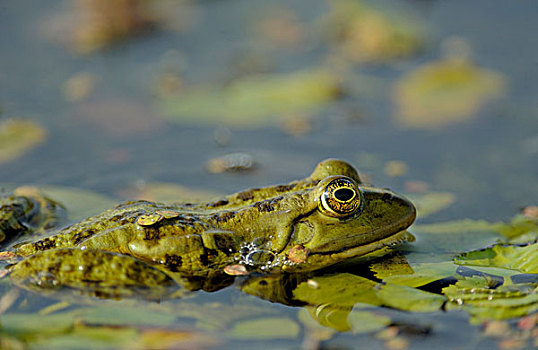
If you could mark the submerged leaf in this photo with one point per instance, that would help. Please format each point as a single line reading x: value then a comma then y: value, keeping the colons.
x: 255, y: 100
x: 17, y: 137
x: 265, y: 328
x: 366, y: 321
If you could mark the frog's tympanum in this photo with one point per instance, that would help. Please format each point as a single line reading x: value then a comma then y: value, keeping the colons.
x: 301, y: 226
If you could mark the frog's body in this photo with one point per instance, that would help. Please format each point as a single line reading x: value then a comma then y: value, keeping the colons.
x: 301, y: 226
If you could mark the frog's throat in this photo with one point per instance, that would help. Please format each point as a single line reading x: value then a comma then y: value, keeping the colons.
x: 328, y: 258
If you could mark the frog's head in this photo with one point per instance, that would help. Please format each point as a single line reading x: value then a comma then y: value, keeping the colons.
x: 350, y: 219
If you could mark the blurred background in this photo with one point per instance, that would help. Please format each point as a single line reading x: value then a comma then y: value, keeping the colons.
x: 219, y: 95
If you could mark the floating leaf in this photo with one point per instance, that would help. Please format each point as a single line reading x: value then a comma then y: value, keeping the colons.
x: 395, y: 264
x: 419, y: 275
x: 79, y: 203
x: 432, y: 202
x: 367, y: 322
x: 461, y: 226
x: 456, y: 236
x: 343, y: 290
x: 19, y: 136
x: 475, y: 295
x: 444, y: 92
x: 524, y: 259
x: 521, y: 229
x: 254, y: 100
x: 409, y: 299
x: 368, y: 32
x: 265, y: 328
x: 173, y: 339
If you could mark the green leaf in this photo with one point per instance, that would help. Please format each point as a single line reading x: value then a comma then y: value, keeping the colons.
x: 22, y: 324
x: 342, y: 290
x: 521, y: 229
x: 88, y: 338
x: 265, y: 328
x: 524, y: 259
x: 446, y: 92
x: 125, y: 316
x: 254, y: 100
x: 475, y: 295
x: 409, y: 299
x: 456, y: 236
x: 421, y: 274
x: 431, y: 202
x: 19, y: 136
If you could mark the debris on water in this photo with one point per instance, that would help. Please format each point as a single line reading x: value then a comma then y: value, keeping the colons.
x: 236, y: 270
x: 233, y: 162
x: 298, y: 254
x: 6, y: 255
x: 416, y: 186
x: 395, y: 168
x: 222, y: 136
x: 531, y: 212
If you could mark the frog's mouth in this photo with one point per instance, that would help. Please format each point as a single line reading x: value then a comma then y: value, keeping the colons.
x: 381, y: 224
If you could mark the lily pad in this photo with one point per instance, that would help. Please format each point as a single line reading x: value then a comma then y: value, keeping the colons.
x: 432, y: 202
x: 521, y: 229
x: 456, y: 236
x: 419, y: 274
x: 409, y: 299
x: 524, y: 259
x: 254, y: 100
x: 475, y: 295
x: 342, y: 290
x: 444, y: 93
x: 367, y: 32
x: 19, y: 136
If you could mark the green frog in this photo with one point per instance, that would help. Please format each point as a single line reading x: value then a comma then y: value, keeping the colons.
x: 305, y: 225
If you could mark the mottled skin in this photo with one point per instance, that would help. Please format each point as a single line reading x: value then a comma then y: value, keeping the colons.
x: 276, y: 228
x: 27, y: 211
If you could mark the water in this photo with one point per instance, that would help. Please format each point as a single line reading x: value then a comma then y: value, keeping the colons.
x: 116, y: 135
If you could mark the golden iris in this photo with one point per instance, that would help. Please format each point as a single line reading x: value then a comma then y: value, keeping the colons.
x: 340, y: 198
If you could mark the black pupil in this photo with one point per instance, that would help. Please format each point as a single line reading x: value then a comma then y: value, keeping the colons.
x: 344, y: 194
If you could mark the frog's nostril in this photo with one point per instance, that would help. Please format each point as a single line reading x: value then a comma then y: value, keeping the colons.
x: 344, y: 194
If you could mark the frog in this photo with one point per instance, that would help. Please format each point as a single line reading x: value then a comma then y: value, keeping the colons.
x: 304, y: 225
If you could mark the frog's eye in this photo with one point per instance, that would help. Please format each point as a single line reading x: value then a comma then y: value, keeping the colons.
x: 340, y: 198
